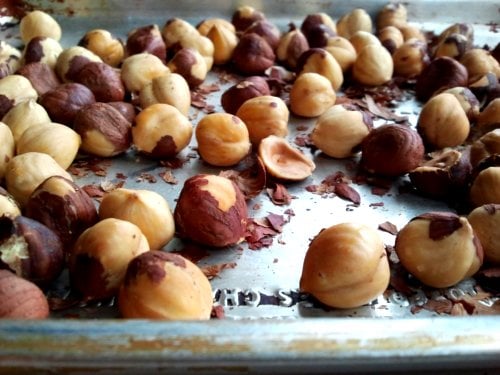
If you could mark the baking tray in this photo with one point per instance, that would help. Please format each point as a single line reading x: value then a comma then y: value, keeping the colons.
x: 268, y: 325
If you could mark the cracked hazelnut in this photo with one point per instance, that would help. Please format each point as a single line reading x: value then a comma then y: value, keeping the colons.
x: 410, y: 58
x: 139, y: 70
x: 345, y: 266
x: 253, y: 55
x: 391, y: 150
x: 484, y: 147
x: 211, y: 210
x: 353, y: 21
x: 222, y: 139
x: 489, y: 117
x: 7, y: 148
x: 170, y: 89
x: 24, y: 115
x: 443, y: 122
x: 478, y: 63
x: 373, y: 66
x: 103, y: 80
x: 39, y: 23
x: 161, y: 131
x: 248, y: 88
x: 191, y: 65
x: 485, y: 185
x: 317, y: 28
x: 311, y: 95
x: 167, y: 286
x: 71, y: 60
x: 10, y: 59
x: 485, y: 221
x: 146, y: 39
x: 41, y: 76
x: 101, y: 254
x: 467, y: 100
x: 105, y: 45
x: 391, y: 38
x: 266, y: 30
x: 291, y: 45
x: 360, y: 39
x: 439, y: 248
x: 283, y: 161
x: 225, y: 41
x: 144, y: 208
x: 244, y: 16
x: 318, y: 60
x: 392, y: 14
x: 8, y: 206
x: 339, y: 131
x: 342, y: 50
x: 42, y: 49
x: 15, y: 89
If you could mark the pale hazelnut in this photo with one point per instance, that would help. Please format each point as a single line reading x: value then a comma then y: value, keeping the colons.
x: 253, y: 55
x: 360, y: 39
x: 7, y: 148
x: 410, y: 58
x: 291, y: 45
x: 208, y: 24
x: 317, y: 28
x: 263, y: 116
x: 10, y: 59
x: 356, y: 20
x: 311, y: 95
x: 318, y: 60
x: 24, y: 115
x: 161, y: 131
x: 222, y: 139
x: 345, y: 266
x: 485, y: 186
x: 8, y: 205
x: 455, y: 45
x: 373, y: 66
x: 248, y: 88
x: 244, y: 16
x: 489, y: 117
x: 224, y: 41
x: 479, y: 62
x: 42, y: 49
x: 103, y: 80
x: 15, y: 89
x: 140, y: 69
x: 484, y: 147
x: 392, y: 14
x: 412, y: 32
x: 105, y: 45
x: 71, y: 60
x: 191, y: 65
x: 266, y: 30
x: 146, y: 39
x: 343, y: 51
x: 468, y: 101
x: 391, y: 38
x: 485, y: 221
x: 39, y: 23
x: 42, y: 77
x: 168, y: 89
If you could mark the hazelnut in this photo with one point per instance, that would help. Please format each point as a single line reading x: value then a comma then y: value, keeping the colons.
x: 26, y: 171
x: 62, y: 206
x: 224, y: 41
x: 105, y: 45
x: 71, y: 60
x: 392, y: 14
x: 318, y: 28
x: 391, y: 38
x: 479, y: 62
x: 356, y: 20
x: 7, y: 148
x: 311, y: 95
x: 283, y: 161
x: 39, y: 23
x: 342, y: 50
x: 222, y: 139
x: 253, y: 55
x: 144, y: 208
x: 41, y: 76
x: 161, y: 131
x: 249, y: 175
x: 248, y: 88
x: 467, y: 100
x: 318, y: 60
x: 167, y: 286
x: 485, y: 186
x: 211, y: 210
x: 56, y: 140
x: 439, y: 248
x: 168, y: 89
x: 486, y: 88
x: 443, y: 122
x: 15, y: 89
x: 208, y: 24
x: 442, y: 73
x: 42, y: 49
x: 345, y: 266
x: 339, y: 131
x: 21, y: 299
x: 410, y: 59
x: 391, y: 150
x: 489, y: 118
x: 263, y: 116
x: 126, y: 109
x: 103, y: 80
x: 146, y: 39
x: 24, y: 115
x: 244, y: 16
x: 465, y: 29
x: 484, y: 147
x: 63, y: 102
x: 140, y: 69
x: 373, y: 66
x: 361, y: 39
x: 454, y: 45
x: 101, y: 254
x: 485, y: 221
x: 291, y: 45
x: 8, y: 206
x: 190, y: 64
x: 412, y: 32
x: 266, y: 30
x: 30, y: 249
x: 9, y: 59
x: 103, y: 129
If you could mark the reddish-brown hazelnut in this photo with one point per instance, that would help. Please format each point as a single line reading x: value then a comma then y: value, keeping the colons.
x: 71, y: 60
x: 253, y: 55
x: 146, y: 39
x: 126, y: 109
x: 266, y: 30
x: 190, y: 64
x: 236, y: 95
x: 244, y: 16
x: 291, y: 45
x: 42, y: 77
x: 317, y: 28
x: 103, y: 80
x: 318, y: 60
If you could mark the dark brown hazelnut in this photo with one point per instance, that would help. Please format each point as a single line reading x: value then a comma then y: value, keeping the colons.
x: 291, y: 45
x: 236, y: 95
x: 391, y: 150
x: 253, y: 55
x: 42, y: 77
x: 103, y: 80
x: 71, y: 60
x: 317, y: 28
x: 190, y: 64
x: 30, y: 249
x: 266, y: 30
x: 63, y: 102
x: 146, y: 39
x: 244, y: 16
x: 42, y: 49
x: 126, y: 109
x: 441, y: 73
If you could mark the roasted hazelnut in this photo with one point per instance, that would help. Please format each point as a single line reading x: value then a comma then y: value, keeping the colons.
x: 412, y: 32
x: 266, y: 30
x: 345, y: 266
x: 489, y: 117
x: 103, y: 80
x: 442, y: 73
x: 224, y: 41
x: 41, y: 76
x: 311, y: 95
x: 263, y: 116
x: 291, y: 45
x: 486, y: 88
x: 455, y: 45
x: 57, y: 140
x: 485, y: 185
x: 443, y: 122
x: 318, y: 28
x: 8, y: 206
x: 318, y: 60
x: 167, y: 286
x: 7, y: 148
x: 391, y: 38
x: 15, y: 89
x: 161, y: 131
x: 360, y: 39
x: 62, y: 206
x: 439, y: 248
x: 101, y: 254
x: 465, y: 29
x: 484, y: 147
x: 103, y: 129
x: 42, y: 49
x: 126, y: 109
x: 391, y: 150
x: 71, y: 60
x: 21, y: 299
x: 146, y: 39
x: 144, y: 208
x: 356, y: 20
x: 244, y: 16
x: 373, y: 66
x: 222, y: 139
x: 170, y: 89
x: 24, y: 115
x: 26, y: 171
x: 283, y: 161
x: 248, y: 88
x: 30, y: 249
x: 467, y: 100
x: 105, y: 45
x: 65, y: 101
x: 342, y: 50
x: 339, y: 131
x: 9, y: 59
x: 479, y: 62
x: 190, y: 64
x: 410, y: 59
x: 392, y: 14
x: 208, y: 24
x: 211, y: 210
x: 253, y: 55
x: 39, y: 23
x: 485, y: 221
x: 140, y: 69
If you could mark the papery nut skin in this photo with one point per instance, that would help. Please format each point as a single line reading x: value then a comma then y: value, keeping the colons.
x: 42, y: 77
x: 42, y: 49
x: 250, y: 87
x: 126, y: 109
x: 291, y: 45
x: 71, y: 60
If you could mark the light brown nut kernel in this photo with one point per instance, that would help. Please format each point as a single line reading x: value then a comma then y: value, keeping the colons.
x: 318, y: 60
x: 42, y: 49
x: 190, y: 64
x: 410, y: 58
x: 373, y: 66
x: 361, y: 39
x: 105, y: 45
x: 343, y: 51
x: 391, y: 38
x: 24, y: 115
x: 7, y: 148
x: 489, y: 118
x: 479, y: 62
x: 484, y: 147
x: 392, y: 14
x: 10, y: 59
x: 224, y: 41
x: 356, y: 20
x: 311, y: 95
x: 292, y: 44
x: 168, y: 89
x: 486, y: 220
x: 468, y: 101
x: 39, y: 23
x: 412, y: 32
x: 15, y: 89
x: 208, y: 24
x: 485, y: 186
x: 140, y: 69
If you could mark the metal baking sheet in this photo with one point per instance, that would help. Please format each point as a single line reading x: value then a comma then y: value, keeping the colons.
x: 268, y: 325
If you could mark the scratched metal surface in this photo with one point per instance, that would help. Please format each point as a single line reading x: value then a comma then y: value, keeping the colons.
x: 266, y: 319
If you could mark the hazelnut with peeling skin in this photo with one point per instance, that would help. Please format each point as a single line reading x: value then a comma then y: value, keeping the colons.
x: 161, y: 131
x: 479, y: 62
x: 489, y: 117
x: 167, y: 286
x: 318, y: 60
x: 191, y: 65
x: 15, y: 89
x: 484, y: 147
x: 486, y: 88
x: 139, y: 70
x: 146, y: 39
x: 391, y: 38
x: 467, y: 100
x: 266, y: 30
x: 144, y: 208
x: 71, y: 60
x: 345, y: 266
x: 224, y: 41
x: 455, y: 45
x: 211, y: 210
x: 222, y: 139
x: 439, y: 248
x: 253, y: 55
x: 248, y: 88
x: 356, y: 20
x: 392, y: 14
x: 7, y: 148
x: 10, y: 59
x: 41, y: 76
x: 103, y: 80
x: 343, y: 51
x: 39, y: 23
x: 485, y: 185
x: 291, y: 45
x: 373, y: 66
x: 24, y: 115
x: 485, y: 221
x: 101, y: 254
x: 170, y: 89
x: 318, y: 28
x: 410, y: 59
x: 391, y: 150
x: 311, y: 95
x: 465, y: 29
x: 105, y: 45
x: 8, y: 206
x: 42, y: 49
x: 244, y: 16
x: 126, y: 109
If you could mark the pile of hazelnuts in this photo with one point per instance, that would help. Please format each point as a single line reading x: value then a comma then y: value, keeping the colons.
x: 105, y: 97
